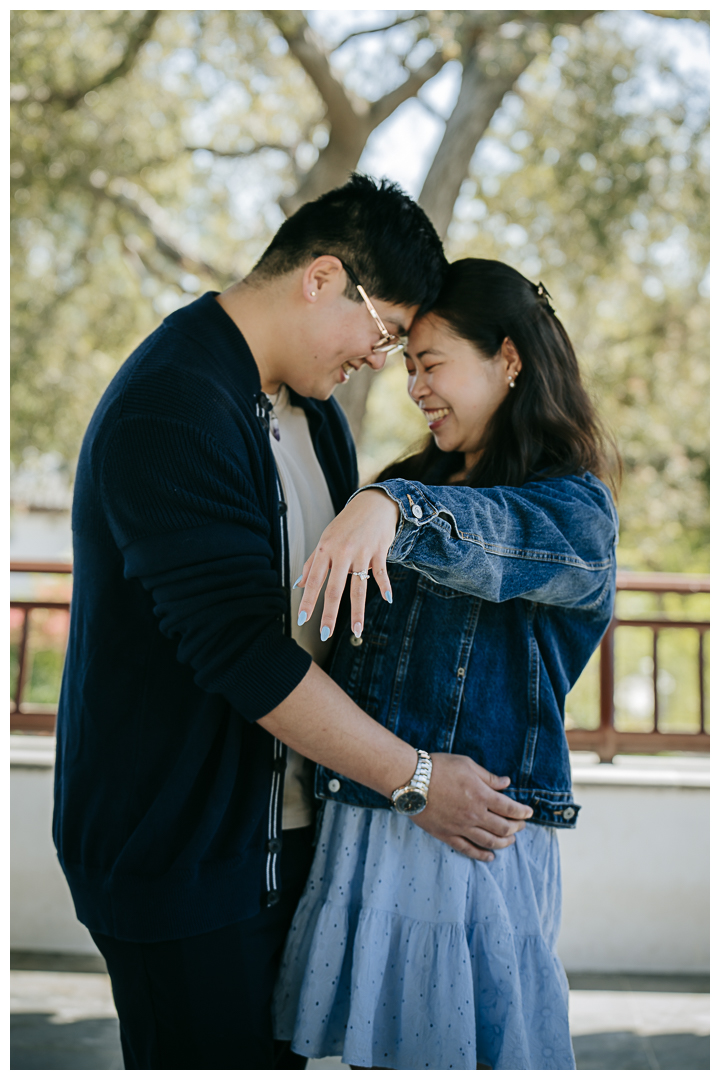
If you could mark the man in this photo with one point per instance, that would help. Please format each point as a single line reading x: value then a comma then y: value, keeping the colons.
x: 186, y: 680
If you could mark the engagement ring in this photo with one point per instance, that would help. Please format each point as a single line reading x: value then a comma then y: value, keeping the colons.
x: 362, y: 574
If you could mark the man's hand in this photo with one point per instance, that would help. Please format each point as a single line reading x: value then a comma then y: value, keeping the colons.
x: 467, y: 810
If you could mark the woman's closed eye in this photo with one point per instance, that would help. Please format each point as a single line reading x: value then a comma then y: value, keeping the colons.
x: 427, y: 368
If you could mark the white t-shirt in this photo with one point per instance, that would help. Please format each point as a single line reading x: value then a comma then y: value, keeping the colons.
x: 310, y: 510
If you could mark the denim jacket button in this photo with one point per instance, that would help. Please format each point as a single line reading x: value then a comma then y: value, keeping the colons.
x: 568, y: 813
x: 417, y: 511
x: 333, y: 785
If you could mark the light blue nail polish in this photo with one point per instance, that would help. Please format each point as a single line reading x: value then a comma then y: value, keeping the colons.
x: 297, y: 582
x: 302, y: 618
x: 325, y: 633
x: 388, y: 596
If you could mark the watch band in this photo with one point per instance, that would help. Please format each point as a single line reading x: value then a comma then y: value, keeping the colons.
x: 411, y: 798
x: 423, y: 772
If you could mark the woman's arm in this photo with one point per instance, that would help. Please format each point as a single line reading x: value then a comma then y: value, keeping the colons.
x: 551, y: 541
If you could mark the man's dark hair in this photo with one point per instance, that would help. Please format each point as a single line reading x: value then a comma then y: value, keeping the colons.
x: 373, y: 226
x: 547, y: 424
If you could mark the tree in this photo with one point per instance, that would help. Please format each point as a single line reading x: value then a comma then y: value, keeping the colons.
x: 605, y: 197
x: 117, y: 220
x: 126, y: 209
x: 494, y: 49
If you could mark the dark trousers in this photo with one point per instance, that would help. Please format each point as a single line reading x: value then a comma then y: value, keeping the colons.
x: 204, y: 1002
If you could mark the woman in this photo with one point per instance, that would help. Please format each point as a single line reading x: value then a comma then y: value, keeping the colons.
x: 500, y: 539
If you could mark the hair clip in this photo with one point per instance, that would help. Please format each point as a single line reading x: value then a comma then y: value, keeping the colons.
x: 544, y: 295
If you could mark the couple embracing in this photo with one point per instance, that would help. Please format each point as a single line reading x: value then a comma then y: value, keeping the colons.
x: 310, y: 752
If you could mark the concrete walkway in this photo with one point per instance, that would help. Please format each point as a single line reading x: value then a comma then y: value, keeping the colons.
x: 63, y: 1018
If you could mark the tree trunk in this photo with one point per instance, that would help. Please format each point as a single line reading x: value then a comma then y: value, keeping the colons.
x: 480, y: 96
x: 351, y: 119
x: 491, y: 66
x: 334, y: 165
x: 353, y: 398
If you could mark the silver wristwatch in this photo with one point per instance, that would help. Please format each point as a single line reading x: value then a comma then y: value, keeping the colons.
x: 412, y: 797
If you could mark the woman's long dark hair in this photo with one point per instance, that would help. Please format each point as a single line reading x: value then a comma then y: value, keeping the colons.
x: 547, y: 423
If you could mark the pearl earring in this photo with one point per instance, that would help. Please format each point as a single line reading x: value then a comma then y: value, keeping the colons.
x: 312, y: 293
x: 511, y: 380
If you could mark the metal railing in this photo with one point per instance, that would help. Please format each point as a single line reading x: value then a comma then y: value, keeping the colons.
x: 28, y: 717
x: 605, y: 740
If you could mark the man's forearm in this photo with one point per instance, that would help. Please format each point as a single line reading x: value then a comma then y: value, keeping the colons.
x: 322, y: 723
x: 466, y: 808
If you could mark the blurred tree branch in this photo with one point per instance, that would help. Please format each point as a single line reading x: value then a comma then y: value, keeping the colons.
x: 383, y: 108
x: 148, y: 212
x: 400, y: 21
x: 490, y: 69
x: 696, y: 16
x: 494, y: 48
x: 135, y: 41
x: 492, y: 64
x: 244, y: 153
x: 351, y: 118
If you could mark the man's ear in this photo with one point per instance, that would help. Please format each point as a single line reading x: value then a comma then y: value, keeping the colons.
x: 324, y: 273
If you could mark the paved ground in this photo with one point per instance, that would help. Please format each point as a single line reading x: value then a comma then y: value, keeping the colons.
x: 63, y: 1018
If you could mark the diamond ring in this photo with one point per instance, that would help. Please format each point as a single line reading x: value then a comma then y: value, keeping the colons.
x: 362, y: 574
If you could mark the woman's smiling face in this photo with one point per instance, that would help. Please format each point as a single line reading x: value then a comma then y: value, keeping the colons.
x: 456, y: 387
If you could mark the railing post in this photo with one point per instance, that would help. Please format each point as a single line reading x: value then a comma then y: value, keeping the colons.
x: 701, y: 673
x: 22, y: 662
x: 606, y: 749
x: 656, y: 696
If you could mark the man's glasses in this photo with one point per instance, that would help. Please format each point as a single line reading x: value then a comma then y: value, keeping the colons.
x: 388, y: 342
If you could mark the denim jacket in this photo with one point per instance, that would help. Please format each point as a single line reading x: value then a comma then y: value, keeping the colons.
x: 500, y: 597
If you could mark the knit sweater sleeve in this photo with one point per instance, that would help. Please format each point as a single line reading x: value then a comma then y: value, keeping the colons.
x: 186, y: 517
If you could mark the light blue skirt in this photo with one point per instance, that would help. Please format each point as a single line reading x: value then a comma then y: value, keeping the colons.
x: 405, y: 954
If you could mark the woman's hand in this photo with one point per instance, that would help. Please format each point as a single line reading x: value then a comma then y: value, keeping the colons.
x: 357, y: 539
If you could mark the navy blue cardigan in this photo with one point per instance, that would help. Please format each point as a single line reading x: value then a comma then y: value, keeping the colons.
x: 163, y: 784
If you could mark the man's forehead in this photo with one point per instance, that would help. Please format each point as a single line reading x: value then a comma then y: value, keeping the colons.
x: 401, y: 315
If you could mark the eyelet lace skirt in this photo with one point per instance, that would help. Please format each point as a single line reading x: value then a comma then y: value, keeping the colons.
x: 405, y: 954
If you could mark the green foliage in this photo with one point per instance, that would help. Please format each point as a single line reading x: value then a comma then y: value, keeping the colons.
x: 583, y: 183
x: 43, y: 685
x: 610, y: 208
x: 91, y: 276
x: 47, y: 640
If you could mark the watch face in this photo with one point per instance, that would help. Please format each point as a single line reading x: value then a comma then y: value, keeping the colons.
x: 410, y: 802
